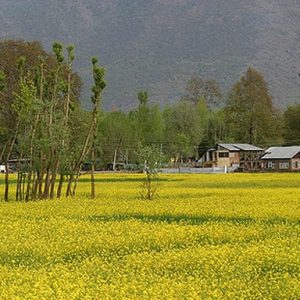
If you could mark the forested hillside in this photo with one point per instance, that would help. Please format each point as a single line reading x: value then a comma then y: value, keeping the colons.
x: 158, y: 44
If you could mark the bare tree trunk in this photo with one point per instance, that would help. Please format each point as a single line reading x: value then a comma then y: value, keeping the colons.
x: 47, y: 184
x: 93, y: 192
x: 40, y: 184
x: 31, y: 157
x: 53, y: 181
x: 23, y: 181
x: 69, y: 187
x: 19, y: 180
x: 18, y: 187
x: 75, y: 184
x: 54, y: 175
x: 2, y: 152
x: 77, y: 166
x: 66, y: 122
x: 6, y: 191
x: 60, y: 186
x: 34, y: 186
x: 76, y: 177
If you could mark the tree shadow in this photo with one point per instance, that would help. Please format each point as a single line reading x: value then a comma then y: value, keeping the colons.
x: 112, y: 180
x: 169, y: 219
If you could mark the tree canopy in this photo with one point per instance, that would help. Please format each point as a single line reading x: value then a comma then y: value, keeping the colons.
x: 250, y: 113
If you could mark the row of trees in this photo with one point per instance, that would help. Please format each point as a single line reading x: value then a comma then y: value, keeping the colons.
x: 42, y: 125
x: 44, y: 128
x: 199, y: 120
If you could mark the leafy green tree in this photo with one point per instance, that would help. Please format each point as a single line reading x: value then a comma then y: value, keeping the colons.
x: 183, y: 129
x: 149, y: 159
x: 147, y: 122
x: 115, y: 135
x: 89, y: 144
x: 99, y: 86
x: 32, y: 52
x: 250, y: 114
x: 46, y: 129
x: 291, y: 119
x: 205, y: 89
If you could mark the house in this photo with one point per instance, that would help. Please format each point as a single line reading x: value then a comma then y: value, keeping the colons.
x: 281, y: 159
x: 2, y: 168
x: 232, y: 155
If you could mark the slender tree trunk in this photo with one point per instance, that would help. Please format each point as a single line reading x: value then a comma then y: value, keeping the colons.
x: 31, y: 157
x: 28, y: 188
x: 53, y: 176
x: 19, y: 180
x: 6, y: 191
x: 76, y: 177
x: 37, y: 182
x: 66, y: 124
x: 23, y: 178
x: 54, y: 155
x: 34, y: 186
x: 40, y: 184
x: 77, y: 166
x: 18, y: 187
x: 69, y: 187
x: 47, y: 184
x: 75, y: 184
x: 93, y: 192
x: 2, y: 152
x: 60, y: 185
x: 52, y: 182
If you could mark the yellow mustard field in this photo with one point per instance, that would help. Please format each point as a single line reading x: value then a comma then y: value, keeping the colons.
x: 234, y: 236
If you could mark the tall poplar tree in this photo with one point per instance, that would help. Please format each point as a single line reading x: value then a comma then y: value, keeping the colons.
x: 99, y: 86
x: 250, y: 113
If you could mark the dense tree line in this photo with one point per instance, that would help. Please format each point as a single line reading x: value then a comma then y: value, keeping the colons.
x: 44, y: 128
x: 199, y: 120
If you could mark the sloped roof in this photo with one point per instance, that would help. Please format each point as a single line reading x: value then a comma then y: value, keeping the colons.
x: 239, y: 147
x: 281, y: 152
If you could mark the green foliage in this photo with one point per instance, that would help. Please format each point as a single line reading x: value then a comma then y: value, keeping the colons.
x: 207, y: 90
x: 250, y: 114
x: 2, y: 81
x: 21, y: 63
x: 57, y: 49
x: 183, y: 130
x: 71, y: 54
x: 292, y: 125
x: 99, y: 82
x: 149, y: 158
x: 146, y: 122
x: 25, y: 102
x: 37, y: 124
x: 115, y: 134
x: 143, y: 97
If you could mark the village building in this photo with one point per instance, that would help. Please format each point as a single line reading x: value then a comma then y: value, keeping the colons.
x: 232, y: 155
x: 2, y: 169
x: 281, y: 159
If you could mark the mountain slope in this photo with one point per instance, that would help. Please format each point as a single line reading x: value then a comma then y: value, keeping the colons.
x: 159, y: 44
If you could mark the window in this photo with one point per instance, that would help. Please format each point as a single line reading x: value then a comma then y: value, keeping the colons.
x: 284, y: 165
x: 296, y: 165
x: 271, y: 165
x: 223, y: 154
